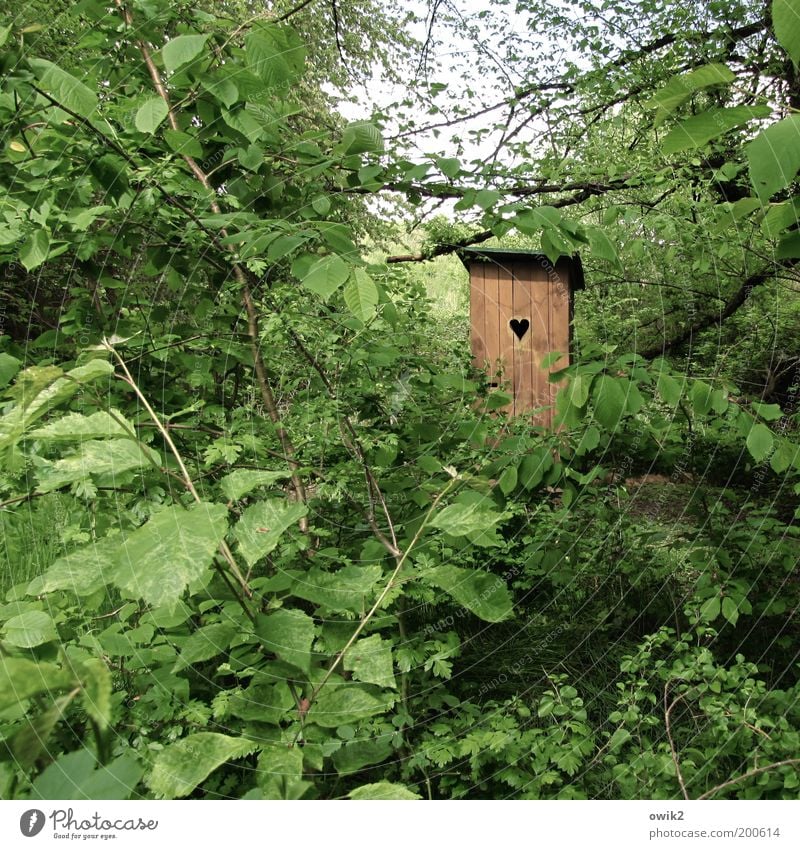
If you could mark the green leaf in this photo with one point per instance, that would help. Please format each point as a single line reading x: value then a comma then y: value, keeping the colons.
x: 30, y: 742
x: 589, y: 440
x: 150, y: 115
x: 487, y: 198
x: 700, y: 129
x: 96, y: 680
x: 361, y: 137
x: 680, y: 88
x: 289, y: 634
x: 29, y: 629
x: 618, y: 739
x: 348, y: 589
x: 205, y: 643
x: 601, y: 246
x: 609, y: 401
x: 93, y: 460
x: 482, y: 593
x: 243, y: 481
x: 183, y: 143
x: 730, y: 610
x: 67, y: 90
x: 341, y: 704
x: 370, y: 661
x: 263, y: 700
x: 768, y: 412
x: 263, y: 524
x: 182, y: 766
x: 460, y: 519
x: 82, y: 572
x: 326, y: 275
x: 759, y: 442
x: 21, y: 678
x: 9, y: 366
x: 382, y: 790
x: 361, y: 295
x: 159, y: 560
x: 279, y: 773
x: 786, y: 23
x: 531, y: 221
x: 35, y: 249
x: 774, y: 157
x: 701, y: 398
x: 321, y: 205
x: 448, y: 166
x: 788, y: 247
x: 75, y: 427
x: 77, y: 775
x: 669, y: 389
x: 284, y: 245
x: 578, y: 389
x: 533, y: 467
x: 274, y: 53
x: 182, y: 49
x: 355, y: 755
x: 710, y: 609
x: 508, y: 480
x: 780, y: 216
x: 783, y: 457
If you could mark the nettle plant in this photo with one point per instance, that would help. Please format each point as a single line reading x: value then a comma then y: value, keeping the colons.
x: 267, y: 486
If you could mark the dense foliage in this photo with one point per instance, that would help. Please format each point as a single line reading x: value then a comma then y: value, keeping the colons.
x: 265, y: 533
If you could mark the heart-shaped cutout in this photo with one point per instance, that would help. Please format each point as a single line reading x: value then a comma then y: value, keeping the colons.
x: 519, y: 326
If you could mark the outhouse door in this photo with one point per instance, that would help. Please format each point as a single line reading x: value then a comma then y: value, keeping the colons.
x: 520, y: 311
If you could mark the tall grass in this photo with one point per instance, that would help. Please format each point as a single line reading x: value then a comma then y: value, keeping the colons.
x: 30, y: 539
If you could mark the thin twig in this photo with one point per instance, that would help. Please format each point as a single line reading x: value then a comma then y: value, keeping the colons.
x: 384, y: 592
x: 187, y: 479
x: 673, y: 752
x: 709, y: 793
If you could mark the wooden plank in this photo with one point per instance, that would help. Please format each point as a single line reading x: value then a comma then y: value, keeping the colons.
x: 540, y: 325
x: 477, y: 314
x: 524, y: 386
x: 560, y: 316
x: 504, y: 312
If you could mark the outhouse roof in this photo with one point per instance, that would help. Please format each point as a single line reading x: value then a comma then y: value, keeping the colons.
x: 502, y: 256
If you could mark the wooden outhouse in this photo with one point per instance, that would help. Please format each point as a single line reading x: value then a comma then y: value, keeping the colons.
x: 520, y: 311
